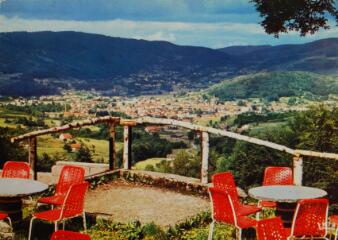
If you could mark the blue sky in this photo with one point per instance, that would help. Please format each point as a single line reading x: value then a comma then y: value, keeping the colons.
x: 211, y: 23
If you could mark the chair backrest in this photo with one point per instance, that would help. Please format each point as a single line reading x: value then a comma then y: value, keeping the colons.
x: 225, y: 181
x: 74, y: 201
x: 278, y: 176
x: 222, y: 206
x: 68, y: 235
x: 310, y: 218
x: 69, y: 175
x: 271, y: 229
x: 13, y: 169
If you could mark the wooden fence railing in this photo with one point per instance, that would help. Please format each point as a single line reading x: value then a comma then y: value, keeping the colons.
x: 127, y: 142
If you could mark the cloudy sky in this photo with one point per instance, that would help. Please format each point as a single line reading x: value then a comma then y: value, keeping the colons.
x: 211, y: 23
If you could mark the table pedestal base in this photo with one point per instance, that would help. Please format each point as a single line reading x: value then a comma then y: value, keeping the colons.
x: 286, y: 211
x: 13, y: 207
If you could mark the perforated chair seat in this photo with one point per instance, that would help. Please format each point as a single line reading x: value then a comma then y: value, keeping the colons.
x: 54, y: 200
x: 246, y: 222
x: 271, y: 229
x: 310, y: 218
x: 244, y: 210
x: 49, y: 215
x: 224, y: 211
x: 14, y: 169
x: 71, y: 207
x: 69, y: 175
x: 225, y: 181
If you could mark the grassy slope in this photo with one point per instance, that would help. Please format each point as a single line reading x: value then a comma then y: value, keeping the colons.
x: 151, y: 161
x: 53, y: 146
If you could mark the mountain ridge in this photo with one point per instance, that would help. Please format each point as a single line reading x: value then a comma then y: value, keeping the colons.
x: 50, y: 61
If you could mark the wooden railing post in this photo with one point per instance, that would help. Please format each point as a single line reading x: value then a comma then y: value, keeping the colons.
x: 32, y: 156
x: 127, y: 141
x: 112, y: 146
x: 205, y: 157
x: 297, y: 170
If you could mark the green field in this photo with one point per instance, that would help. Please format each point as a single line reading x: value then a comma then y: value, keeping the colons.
x: 256, y: 128
x: 100, y: 148
x: 51, y: 146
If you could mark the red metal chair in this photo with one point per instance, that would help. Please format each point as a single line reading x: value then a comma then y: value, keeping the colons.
x: 276, y: 176
x: 271, y: 229
x: 223, y: 211
x: 69, y: 175
x: 226, y: 182
x: 310, y: 219
x: 68, y: 235
x: 71, y: 207
x: 4, y: 216
x: 13, y: 169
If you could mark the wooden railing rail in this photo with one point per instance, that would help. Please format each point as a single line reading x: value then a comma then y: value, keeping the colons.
x: 205, y: 131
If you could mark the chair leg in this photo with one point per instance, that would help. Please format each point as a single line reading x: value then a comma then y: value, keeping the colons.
x: 56, y: 226
x: 257, y: 216
x: 63, y: 224
x: 84, y: 221
x: 239, y: 231
x: 211, y: 230
x: 30, y: 228
x: 10, y: 222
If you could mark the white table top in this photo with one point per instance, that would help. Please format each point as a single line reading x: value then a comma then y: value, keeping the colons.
x: 284, y: 193
x: 18, y: 187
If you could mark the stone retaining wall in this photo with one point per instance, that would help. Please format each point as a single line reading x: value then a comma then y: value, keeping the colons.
x: 90, y: 168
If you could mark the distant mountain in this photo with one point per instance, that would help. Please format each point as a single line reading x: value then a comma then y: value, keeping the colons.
x: 84, y: 60
x: 241, y: 50
x: 273, y: 85
x: 319, y: 56
x: 46, y: 62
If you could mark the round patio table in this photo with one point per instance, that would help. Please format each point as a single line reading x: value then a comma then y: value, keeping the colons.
x: 286, y: 198
x: 12, y: 190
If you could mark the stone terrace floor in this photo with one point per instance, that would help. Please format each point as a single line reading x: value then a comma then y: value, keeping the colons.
x: 126, y: 201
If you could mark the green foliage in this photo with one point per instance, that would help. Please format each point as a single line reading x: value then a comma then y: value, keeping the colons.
x: 29, y: 122
x: 153, y: 232
x: 83, y: 155
x: 8, y: 150
x: 102, y: 133
x: 36, y: 109
x: 303, y: 16
x: 273, y: 85
x: 45, y: 163
x: 164, y: 167
x: 149, y: 168
x: 67, y: 147
x: 147, y: 146
x: 316, y: 130
x: 252, y: 117
x: 187, y: 164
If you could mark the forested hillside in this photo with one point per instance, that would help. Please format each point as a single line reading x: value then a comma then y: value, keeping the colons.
x: 273, y: 85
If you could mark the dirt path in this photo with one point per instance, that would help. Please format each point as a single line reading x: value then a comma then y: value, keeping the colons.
x: 128, y: 201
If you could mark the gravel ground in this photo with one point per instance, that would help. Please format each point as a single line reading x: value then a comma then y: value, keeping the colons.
x: 129, y: 201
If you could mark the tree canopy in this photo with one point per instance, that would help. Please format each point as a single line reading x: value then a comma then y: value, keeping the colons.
x: 304, y: 16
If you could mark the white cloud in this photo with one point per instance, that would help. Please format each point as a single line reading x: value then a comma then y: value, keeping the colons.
x: 202, y: 34
x: 158, y: 36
